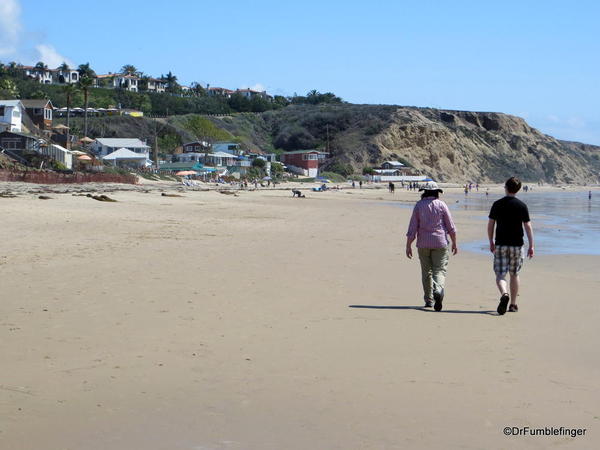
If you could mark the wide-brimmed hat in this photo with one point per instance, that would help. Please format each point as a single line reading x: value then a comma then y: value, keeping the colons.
x: 430, y: 186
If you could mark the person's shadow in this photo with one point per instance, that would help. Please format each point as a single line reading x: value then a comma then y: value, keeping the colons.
x: 422, y: 308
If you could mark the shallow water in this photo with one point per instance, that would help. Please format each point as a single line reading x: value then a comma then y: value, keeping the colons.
x: 563, y: 222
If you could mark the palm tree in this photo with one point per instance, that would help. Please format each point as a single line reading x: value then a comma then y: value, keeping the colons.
x: 129, y: 69
x: 69, y: 90
x: 85, y: 83
x: 41, y: 65
x: 171, y: 82
x: 86, y: 71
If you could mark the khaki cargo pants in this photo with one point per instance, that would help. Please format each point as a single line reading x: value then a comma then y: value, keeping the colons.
x: 433, y: 269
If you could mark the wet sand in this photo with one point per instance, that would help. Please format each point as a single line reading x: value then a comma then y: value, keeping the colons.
x: 259, y: 321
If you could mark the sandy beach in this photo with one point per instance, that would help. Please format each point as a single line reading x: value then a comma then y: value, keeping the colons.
x: 261, y: 321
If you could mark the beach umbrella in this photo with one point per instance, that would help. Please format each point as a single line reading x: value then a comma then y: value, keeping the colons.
x: 267, y: 178
x: 86, y: 140
x: 84, y: 158
x: 182, y: 173
x: 60, y: 126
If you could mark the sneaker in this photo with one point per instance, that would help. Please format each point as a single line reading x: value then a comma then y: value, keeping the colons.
x: 428, y: 303
x: 439, y: 298
x: 513, y: 308
x: 503, y: 304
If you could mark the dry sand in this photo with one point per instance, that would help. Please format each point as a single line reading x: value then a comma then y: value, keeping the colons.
x: 212, y: 321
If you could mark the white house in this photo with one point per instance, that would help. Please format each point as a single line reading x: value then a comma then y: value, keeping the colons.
x: 227, y: 147
x: 127, y: 82
x: 215, y: 159
x: 69, y: 76
x: 156, y: 85
x: 44, y: 76
x: 11, y: 115
x: 251, y: 93
x: 105, y: 146
x: 118, y: 80
x: 59, y: 154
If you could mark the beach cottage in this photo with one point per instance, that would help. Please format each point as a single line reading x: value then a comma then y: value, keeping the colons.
x: 11, y: 115
x: 40, y: 112
x: 104, y: 146
x: 304, y: 162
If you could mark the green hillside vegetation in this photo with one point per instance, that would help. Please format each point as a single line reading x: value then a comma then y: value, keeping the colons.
x: 15, y: 85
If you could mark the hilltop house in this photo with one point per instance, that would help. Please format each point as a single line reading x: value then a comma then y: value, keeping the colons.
x: 104, y: 146
x: 117, y: 80
x: 250, y: 93
x: 11, y: 115
x: 68, y: 76
x: 304, y: 162
x: 44, y: 76
x: 40, y: 112
x: 156, y: 85
x: 218, y: 91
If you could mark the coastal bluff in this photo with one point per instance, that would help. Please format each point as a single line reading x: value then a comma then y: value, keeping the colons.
x: 450, y: 146
x: 484, y: 146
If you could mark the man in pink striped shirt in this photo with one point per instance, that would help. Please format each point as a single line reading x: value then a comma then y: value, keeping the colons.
x: 430, y: 224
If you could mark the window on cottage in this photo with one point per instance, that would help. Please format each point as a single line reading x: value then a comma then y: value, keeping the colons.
x: 16, y: 113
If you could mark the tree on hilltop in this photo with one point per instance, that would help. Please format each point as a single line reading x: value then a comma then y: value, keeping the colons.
x: 197, y: 89
x: 86, y: 71
x: 129, y: 69
x: 172, y: 85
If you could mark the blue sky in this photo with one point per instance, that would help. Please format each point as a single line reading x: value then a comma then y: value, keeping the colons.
x: 535, y: 59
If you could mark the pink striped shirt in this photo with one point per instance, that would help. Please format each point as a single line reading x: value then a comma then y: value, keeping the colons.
x: 431, y: 222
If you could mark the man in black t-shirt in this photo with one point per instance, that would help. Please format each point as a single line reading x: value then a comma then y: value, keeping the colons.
x: 508, y: 217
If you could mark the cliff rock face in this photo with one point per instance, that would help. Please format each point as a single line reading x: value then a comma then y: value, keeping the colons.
x: 469, y: 146
x: 451, y: 146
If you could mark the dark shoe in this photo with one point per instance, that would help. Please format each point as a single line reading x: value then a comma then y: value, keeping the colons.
x: 428, y: 303
x: 439, y: 298
x: 503, y: 304
x: 513, y: 308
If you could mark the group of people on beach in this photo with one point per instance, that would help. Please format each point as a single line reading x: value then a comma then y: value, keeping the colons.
x: 431, y: 223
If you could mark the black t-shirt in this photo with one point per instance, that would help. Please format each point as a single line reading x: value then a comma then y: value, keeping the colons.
x: 509, y: 214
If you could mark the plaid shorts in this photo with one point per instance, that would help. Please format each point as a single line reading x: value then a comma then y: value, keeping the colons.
x: 508, y: 259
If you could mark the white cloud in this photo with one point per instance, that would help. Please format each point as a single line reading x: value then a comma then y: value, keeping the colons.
x: 10, y: 27
x: 14, y: 47
x: 51, y: 57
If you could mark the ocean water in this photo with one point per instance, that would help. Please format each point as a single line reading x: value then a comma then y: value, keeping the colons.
x: 563, y: 222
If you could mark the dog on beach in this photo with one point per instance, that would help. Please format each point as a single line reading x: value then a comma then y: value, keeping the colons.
x: 297, y: 193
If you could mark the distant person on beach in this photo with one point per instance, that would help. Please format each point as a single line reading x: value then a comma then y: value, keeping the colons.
x: 589, y: 195
x: 391, y: 187
x: 507, y: 218
x: 430, y: 224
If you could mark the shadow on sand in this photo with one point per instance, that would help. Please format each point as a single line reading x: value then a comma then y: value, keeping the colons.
x: 421, y: 308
